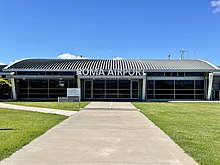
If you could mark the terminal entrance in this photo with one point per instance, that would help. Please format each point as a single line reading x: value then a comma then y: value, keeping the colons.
x: 111, y: 89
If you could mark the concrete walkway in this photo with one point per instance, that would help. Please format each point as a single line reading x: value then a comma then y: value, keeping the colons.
x: 110, y: 106
x: 102, y: 137
x: 35, y: 109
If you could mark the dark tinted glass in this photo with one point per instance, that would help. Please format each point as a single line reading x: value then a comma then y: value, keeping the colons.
x: 99, y: 84
x: 199, y: 84
x: 124, y: 84
x: 197, y: 74
x: 155, y: 74
x: 150, y: 84
x: 164, y: 84
x: 184, y: 84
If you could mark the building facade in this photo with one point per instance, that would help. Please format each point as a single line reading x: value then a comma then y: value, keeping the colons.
x: 98, y: 79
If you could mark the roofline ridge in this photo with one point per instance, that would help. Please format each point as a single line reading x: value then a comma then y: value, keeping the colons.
x: 214, y: 66
x: 16, y: 61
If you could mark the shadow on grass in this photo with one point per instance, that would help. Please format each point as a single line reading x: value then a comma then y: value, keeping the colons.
x: 7, y: 129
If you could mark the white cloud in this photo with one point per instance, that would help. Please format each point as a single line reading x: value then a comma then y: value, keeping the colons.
x: 70, y: 56
x: 2, y: 63
x: 117, y: 58
x: 216, y: 5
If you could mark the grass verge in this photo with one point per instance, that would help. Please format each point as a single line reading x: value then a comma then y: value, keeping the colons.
x: 193, y: 126
x: 72, y: 106
x: 18, y: 128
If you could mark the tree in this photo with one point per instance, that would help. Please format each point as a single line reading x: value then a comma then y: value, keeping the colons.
x: 5, y: 89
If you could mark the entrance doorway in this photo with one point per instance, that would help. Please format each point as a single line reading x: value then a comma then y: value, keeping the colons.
x: 111, y: 89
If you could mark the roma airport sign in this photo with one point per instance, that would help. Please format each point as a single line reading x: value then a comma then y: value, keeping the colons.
x: 110, y: 72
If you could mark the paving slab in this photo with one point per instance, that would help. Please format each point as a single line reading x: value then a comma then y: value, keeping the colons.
x: 102, y: 137
x: 105, y: 105
x: 36, y: 109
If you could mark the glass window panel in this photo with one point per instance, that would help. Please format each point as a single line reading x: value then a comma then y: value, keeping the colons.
x: 134, y: 85
x: 164, y: 91
x: 199, y: 84
x: 197, y: 74
x: 150, y: 84
x: 158, y: 74
x: 174, y: 74
x: 23, y: 95
x: 164, y: 96
x: 184, y: 96
x: 98, y: 96
x: 184, y: 91
x: 168, y: 74
x: 98, y: 92
x: 150, y: 96
x: 39, y: 95
x: 38, y: 83
x: 200, y: 91
x: 111, y: 92
x: 111, y: 84
x: 87, y: 96
x: 23, y: 90
x: 72, y: 84
x: 99, y: 84
x: 124, y: 92
x: 180, y: 74
x: 58, y: 83
x: 88, y: 85
x: 111, y: 96
x: 200, y: 97
x: 42, y: 90
x: 150, y: 91
x: 124, y: 84
x: 135, y: 92
x: 164, y: 84
x: 124, y: 96
x: 184, y: 84
x: 88, y: 93
x: 23, y: 83
x: 134, y: 96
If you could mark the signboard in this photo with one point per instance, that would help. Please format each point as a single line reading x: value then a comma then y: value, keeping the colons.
x: 110, y: 72
x: 73, y: 95
x: 73, y: 92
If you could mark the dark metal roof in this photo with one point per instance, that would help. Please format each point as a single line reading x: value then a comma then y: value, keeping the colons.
x: 2, y: 66
x: 4, y: 72
x: 74, y: 64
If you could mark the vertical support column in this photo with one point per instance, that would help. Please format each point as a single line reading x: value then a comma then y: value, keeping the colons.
x: 144, y: 87
x: 79, y: 86
x: 13, y: 89
x: 210, y: 82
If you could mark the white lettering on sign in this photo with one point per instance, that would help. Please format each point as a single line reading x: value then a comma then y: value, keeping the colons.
x: 110, y: 72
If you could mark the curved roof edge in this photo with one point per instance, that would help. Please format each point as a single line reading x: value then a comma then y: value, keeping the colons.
x: 148, y: 64
x: 16, y: 61
x: 214, y: 66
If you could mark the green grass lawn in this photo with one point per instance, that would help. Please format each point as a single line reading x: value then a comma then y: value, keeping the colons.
x: 18, y: 128
x: 73, y: 106
x: 193, y: 126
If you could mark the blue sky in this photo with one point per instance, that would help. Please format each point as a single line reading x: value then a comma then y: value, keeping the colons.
x: 134, y: 29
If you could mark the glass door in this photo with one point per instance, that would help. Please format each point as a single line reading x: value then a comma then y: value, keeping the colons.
x: 88, y: 89
x: 112, y: 89
x: 135, y: 89
x: 98, y: 89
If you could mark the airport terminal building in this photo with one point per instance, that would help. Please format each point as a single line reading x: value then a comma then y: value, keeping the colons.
x: 99, y: 79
